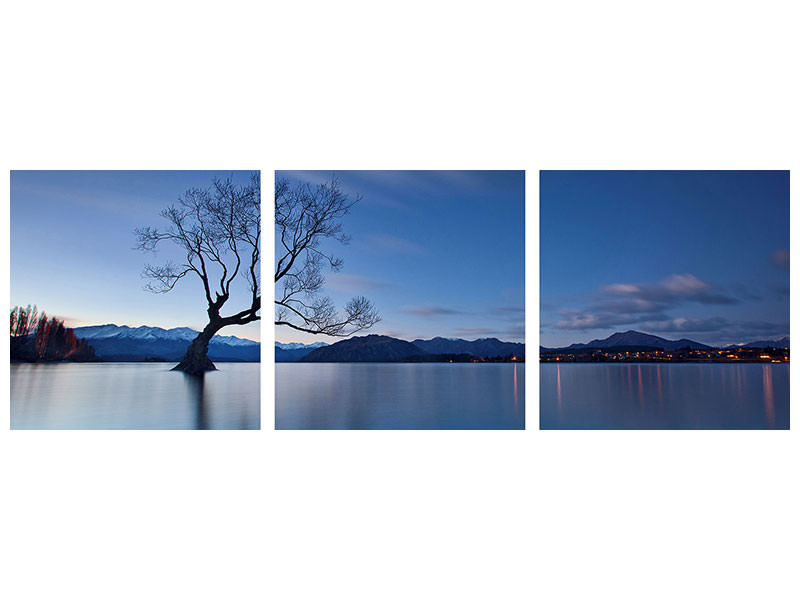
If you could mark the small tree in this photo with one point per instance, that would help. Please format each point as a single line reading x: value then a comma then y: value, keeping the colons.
x: 304, y: 216
x: 219, y: 229
x: 23, y: 323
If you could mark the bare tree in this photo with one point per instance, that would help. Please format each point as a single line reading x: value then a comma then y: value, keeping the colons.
x: 219, y: 229
x: 304, y: 216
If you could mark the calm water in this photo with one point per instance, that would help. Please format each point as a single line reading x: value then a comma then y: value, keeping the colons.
x: 399, y: 396
x: 651, y: 396
x: 133, y: 396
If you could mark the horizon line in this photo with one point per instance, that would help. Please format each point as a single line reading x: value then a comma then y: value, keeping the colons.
x: 342, y: 338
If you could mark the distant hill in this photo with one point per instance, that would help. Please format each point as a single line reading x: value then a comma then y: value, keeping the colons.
x: 483, y: 347
x: 294, y: 351
x: 781, y: 343
x: 634, y: 338
x: 122, y: 343
x: 368, y: 348
x: 382, y: 348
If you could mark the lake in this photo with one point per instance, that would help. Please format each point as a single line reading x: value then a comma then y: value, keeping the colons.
x: 664, y: 396
x: 133, y: 396
x: 399, y: 396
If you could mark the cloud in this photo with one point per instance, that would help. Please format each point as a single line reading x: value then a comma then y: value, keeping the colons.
x: 735, y: 332
x: 429, y: 312
x: 645, y: 305
x: 627, y: 305
x: 393, y: 244
x: 650, y: 308
x: 684, y: 324
x: 760, y: 329
x: 352, y: 183
x: 722, y: 330
x: 780, y: 258
x: 673, y: 290
x: 582, y: 320
x: 623, y: 289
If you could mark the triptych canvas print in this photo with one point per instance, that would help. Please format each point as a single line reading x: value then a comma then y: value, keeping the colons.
x: 399, y: 300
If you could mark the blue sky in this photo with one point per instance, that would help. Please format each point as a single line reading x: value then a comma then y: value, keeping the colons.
x: 696, y: 254
x: 440, y: 253
x: 72, y: 248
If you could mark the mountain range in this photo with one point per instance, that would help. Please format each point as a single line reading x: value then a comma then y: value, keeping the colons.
x: 294, y: 351
x: 122, y: 343
x: 382, y: 348
x: 638, y: 339
x: 781, y: 343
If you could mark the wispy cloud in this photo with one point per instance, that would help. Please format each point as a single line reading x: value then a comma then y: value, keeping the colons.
x: 684, y: 324
x: 582, y: 320
x: 393, y: 244
x: 510, y: 312
x: 645, y: 305
x: 347, y: 282
x: 715, y: 329
x: 353, y: 184
x: 429, y: 311
x: 674, y: 289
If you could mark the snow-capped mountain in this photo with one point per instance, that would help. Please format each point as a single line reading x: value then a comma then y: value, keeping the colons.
x: 144, y: 332
x: 120, y: 342
x: 294, y: 351
x: 298, y: 345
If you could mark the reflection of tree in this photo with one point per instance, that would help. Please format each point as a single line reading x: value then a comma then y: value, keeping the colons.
x: 304, y: 216
x: 196, y: 384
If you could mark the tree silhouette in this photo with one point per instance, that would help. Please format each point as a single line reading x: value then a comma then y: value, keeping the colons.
x: 304, y: 216
x: 219, y: 229
x: 37, y: 338
x: 23, y: 321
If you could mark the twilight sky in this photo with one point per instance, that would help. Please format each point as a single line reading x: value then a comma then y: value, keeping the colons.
x: 440, y: 253
x: 695, y: 254
x: 72, y: 248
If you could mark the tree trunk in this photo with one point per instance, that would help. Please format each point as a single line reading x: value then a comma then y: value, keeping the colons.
x: 196, y: 361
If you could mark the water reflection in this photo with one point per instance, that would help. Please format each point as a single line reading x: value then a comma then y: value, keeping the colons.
x: 664, y: 396
x: 558, y: 380
x: 769, y: 397
x: 641, y: 389
x: 195, y: 385
x: 516, y: 394
x: 133, y: 396
x: 660, y: 389
x: 399, y: 396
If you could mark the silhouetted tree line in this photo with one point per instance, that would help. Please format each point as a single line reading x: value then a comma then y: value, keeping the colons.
x: 35, y: 338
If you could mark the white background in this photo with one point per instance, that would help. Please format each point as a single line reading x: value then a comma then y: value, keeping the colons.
x: 456, y: 85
